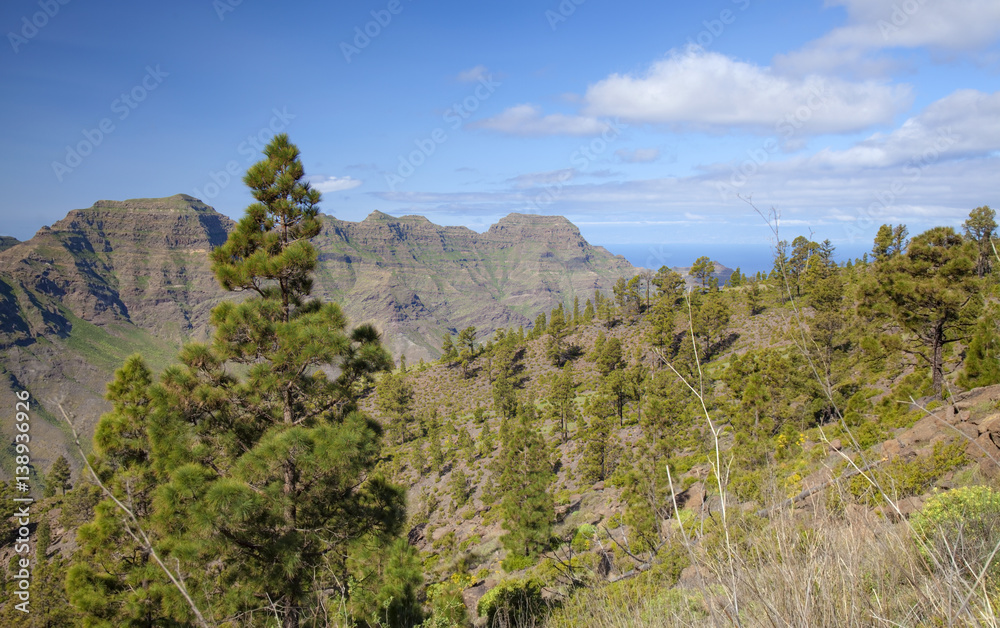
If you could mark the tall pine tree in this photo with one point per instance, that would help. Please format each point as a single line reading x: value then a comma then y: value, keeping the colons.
x: 261, y: 462
x: 525, y: 478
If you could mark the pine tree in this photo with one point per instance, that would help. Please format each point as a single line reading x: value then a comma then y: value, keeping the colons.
x: 610, y: 356
x: 927, y: 292
x: 395, y: 398
x: 459, y: 485
x: 661, y: 319
x: 982, y: 358
x: 802, y: 251
x: 981, y: 228
x: 736, y: 279
x: 486, y: 442
x: 563, y: 398
x: 527, y: 506
x: 889, y: 242
x: 670, y: 286
x: 467, y: 349
x: 113, y: 580
x: 702, y: 270
x: 504, y: 398
x: 711, y: 317
x: 263, y: 479
x: 599, y: 450
x: 754, y: 298
x: 58, y: 477
x: 393, y: 602
x: 557, y: 350
x: 466, y: 445
x: 540, y: 325
x: 448, y: 352
x: 435, y: 451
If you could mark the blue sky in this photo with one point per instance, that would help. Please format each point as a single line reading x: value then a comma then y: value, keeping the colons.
x: 647, y: 124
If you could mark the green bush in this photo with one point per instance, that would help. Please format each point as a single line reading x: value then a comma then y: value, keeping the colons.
x: 867, y: 433
x: 961, y: 527
x: 582, y: 538
x: 516, y: 563
x: 447, y: 606
x: 512, y: 603
x: 900, y: 478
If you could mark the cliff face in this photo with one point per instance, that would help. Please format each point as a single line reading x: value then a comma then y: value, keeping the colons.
x: 134, y: 276
x: 418, y: 280
x: 142, y: 261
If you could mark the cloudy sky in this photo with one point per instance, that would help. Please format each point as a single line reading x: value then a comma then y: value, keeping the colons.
x: 646, y: 124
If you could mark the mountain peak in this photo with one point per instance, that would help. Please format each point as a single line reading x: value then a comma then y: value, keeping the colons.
x: 175, y: 203
x: 378, y: 216
x: 536, y: 225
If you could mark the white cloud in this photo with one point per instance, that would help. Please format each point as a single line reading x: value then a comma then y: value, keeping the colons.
x: 639, y: 155
x: 527, y: 120
x: 536, y: 179
x: 930, y: 170
x: 873, y: 25
x: 713, y: 92
x: 963, y: 124
x: 327, y: 185
x: 473, y: 74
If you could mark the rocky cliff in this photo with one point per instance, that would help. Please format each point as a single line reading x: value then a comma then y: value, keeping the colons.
x: 419, y: 280
x: 122, y: 277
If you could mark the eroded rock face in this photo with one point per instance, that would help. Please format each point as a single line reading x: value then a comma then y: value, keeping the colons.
x: 142, y: 261
x: 418, y: 280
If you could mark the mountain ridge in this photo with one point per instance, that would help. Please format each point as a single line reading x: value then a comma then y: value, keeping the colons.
x: 129, y: 276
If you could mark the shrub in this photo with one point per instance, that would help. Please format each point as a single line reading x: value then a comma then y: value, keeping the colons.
x: 901, y: 478
x: 961, y: 528
x: 515, y: 563
x: 512, y: 603
x: 582, y: 538
x: 447, y: 606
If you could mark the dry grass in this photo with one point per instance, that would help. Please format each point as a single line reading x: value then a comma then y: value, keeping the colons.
x: 818, y: 571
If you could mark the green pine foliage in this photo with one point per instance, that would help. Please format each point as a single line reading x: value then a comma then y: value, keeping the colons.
x: 927, y: 291
x: 58, y: 478
x: 982, y: 358
x: 798, y: 375
x: 254, y: 482
x: 525, y: 478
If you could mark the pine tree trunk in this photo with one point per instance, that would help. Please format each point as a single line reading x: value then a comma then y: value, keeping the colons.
x: 291, y: 615
x: 937, y: 357
x: 291, y: 619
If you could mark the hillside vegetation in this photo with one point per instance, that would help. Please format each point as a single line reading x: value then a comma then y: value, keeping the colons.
x: 814, y: 446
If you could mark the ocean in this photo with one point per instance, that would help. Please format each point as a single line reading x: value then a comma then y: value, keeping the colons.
x: 750, y: 258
